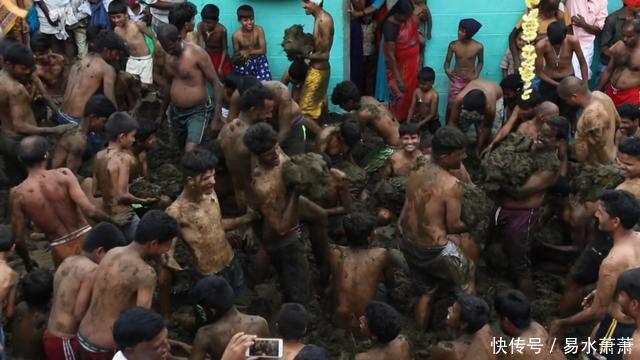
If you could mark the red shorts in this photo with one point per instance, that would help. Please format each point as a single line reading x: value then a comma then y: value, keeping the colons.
x: 58, y: 348
x: 216, y: 58
x: 624, y: 96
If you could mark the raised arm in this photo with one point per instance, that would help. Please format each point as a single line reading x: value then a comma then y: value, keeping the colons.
x: 538, y: 182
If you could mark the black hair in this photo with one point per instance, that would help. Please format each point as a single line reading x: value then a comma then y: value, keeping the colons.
x: 293, y: 321
x: 622, y: 205
x: 630, y: 146
x: 345, y: 91
x: 358, y: 228
x: 426, y: 141
x: 530, y: 103
x: 33, y: 150
x: 244, y: 11
x: 383, y: 320
x: 117, y: 7
x: 156, y: 225
x: 512, y: 82
x: 197, y: 162
x: 18, y: 54
x: 402, y: 7
x: 408, y: 129
x: 255, y: 98
x: 213, y: 292
x: 99, y: 106
x: 146, y: 128
x: 247, y: 82
x: 104, y: 235
x: 40, y: 42
x: 350, y: 132
x: 260, y: 138
x: 120, y: 123
x: 427, y: 74
x: 298, y: 70
x: 632, y: 23
x: 629, y: 111
x: 168, y: 33
x: 474, y: 312
x: 232, y: 80
x: 37, y: 288
x: 447, y: 140
x: 562, y: 125
x: 108, y: 40
x: 629, y: 282
x: 6, y: 238
x: 182, y: 14
x: 475, y: 100
x: 312, y: 352
x: 135, y: 326
x: 556, y: 32
x: 210, y: 12
x: 514, y: 305
x: 92, y: 34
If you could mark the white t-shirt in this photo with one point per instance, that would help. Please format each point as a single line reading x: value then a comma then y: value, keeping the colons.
x: 162, y: 15
x: 119, y: 356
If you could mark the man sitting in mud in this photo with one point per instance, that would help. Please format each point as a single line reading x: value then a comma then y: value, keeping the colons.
x: 220, y: 319
x: 72, y: 287
x: 381, y: 323
x: 90, y: 75
x: 338, y: 141
x: 468, y: 318
x: 74, y: 147
x: 402, y: 161
x: 54, y: 201
x: 357, y: 271
x: 126, y: 270
x: 629, y: 121
x: 431, y: 215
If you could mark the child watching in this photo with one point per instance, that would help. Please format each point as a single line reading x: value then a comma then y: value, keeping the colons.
x: 508, y: 64
x: 9, y: 282
x: 424, y: 105
x: 183, y: 17
x: 250, y: 46
x: 629, y: 121
x: 469, y: 57
x: 214, y: 38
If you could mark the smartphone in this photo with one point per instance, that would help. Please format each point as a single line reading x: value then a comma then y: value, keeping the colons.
x: 266, y: 348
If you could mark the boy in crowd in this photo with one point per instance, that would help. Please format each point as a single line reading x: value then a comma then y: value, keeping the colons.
x: 292, y: 324
x: 214, y: 37
x: 141, y: 334
x: 508, y: 65
x: 183, y: 17
x: 629, y: 162
x: 469, y: 57
x: 629, y: 120
x: 250, y: 47
x: 146, y: 138
x: 402, y: 161
x: 381, y: 323
x: 424, y: 105
x: 295, y: 77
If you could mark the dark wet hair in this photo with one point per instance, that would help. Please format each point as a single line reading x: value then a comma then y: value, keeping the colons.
x: 427, y: 74
x: 629, y: 282
x: 629, y: 111
x: 156, y: 225
x: 345, y: 91
x: 247, y: 82
x: 213, y: 292
x: 135, y: 326
x: 530, y: 103
x: 562, y: 125
x: 474, y: 312
x: 37, y: 287
x: 513, y: 305
x: 244, y: 12
x: 358, y: 228
x: 99, y: 106
x: 298, y: 70
x: 40, y: 42
x: 146, y: 128
x: 182, y: 14
x: 350, y: 132
x: 168, y: 33
x: 426, y: 141
x: 383, y: 320
x: 117, y: 7
x: 197, y: 162
x: 108, y: 40
x: 104, y: 235
x: 18, y: 54
x: 260, y: 138
x: 475, y: 100
x: 6, y: 238
x: 255, y: 98
x: 232, y: 80
x: 556, y: 32
x: 312, y: 352
x: 623, y: 205
x: 120, y: 123
x: 408, y: 129
x: 293, y: 321
x: 512, y: 82
x: 33, y: 150
x: 210, y: 12
x: 630, y: 146
x: 447, y: 140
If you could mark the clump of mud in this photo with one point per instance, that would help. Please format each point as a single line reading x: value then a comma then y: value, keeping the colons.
x: 390, y: 193
x: 476, y: 211
x: 590, y: 181
x: 357, y: 176
x: 297, y: 43
x: 308, y: 172
x: 150, y: 108
x: 169, y: 178
x: 142, y: 188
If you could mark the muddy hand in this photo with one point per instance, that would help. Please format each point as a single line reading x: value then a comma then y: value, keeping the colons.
x: 61, y: 129
x: 123, y: 218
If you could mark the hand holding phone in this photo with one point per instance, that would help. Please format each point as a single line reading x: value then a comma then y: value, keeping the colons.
x: 266, y: 348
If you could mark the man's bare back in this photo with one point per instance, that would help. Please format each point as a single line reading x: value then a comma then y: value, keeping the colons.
x: 237, y: 157
x: 87, y: 77
x: 397, y: 349
x: 377, y: 117
x: 109, y: 166
x: 213, y: 339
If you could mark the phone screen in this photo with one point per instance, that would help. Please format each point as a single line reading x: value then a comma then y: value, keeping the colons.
x: 266, y: 347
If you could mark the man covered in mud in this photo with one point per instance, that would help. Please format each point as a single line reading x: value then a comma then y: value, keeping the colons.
x: 544, y: 112
x: 381, y: 323
x: 123, y: 280
x: 629, y: 162
x: 402, y: 161
x: 256, y: 105
x: 54, y: 201
x: 90, y: 75
x: 430, y: 218
x: 72, y: 286
x: 524, y: 111
x: 286, y: 119
x: 357, y: 271
x: 338, y: 141
x: 621, y: 79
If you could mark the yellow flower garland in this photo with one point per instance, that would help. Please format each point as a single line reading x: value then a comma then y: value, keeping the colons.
x: 529, y: 34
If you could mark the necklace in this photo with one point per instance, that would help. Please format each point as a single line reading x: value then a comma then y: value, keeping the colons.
x: 557, y: 55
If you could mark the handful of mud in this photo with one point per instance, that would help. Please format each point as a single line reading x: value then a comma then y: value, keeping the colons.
x: 308, y: 172
x: 590, y: 181
x: 477, y: 210
x: 297, y: 43
x: 142, y: 188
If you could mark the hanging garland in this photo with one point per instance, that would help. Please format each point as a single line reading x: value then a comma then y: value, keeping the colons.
x: 529, y: 35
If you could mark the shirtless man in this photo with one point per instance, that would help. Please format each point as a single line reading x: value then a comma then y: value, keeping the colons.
x: 90, y: 75
x: 220, y: 318
x: 481, y: 104
x: 338, y: 141
x: 381, y: 323
x: 524, y: 111
x: 72, y: 287
x: 544, y: 112
x: 256, y: 105
x: 629, y: 161
x: 357, y: 271
x: 627, y: 293
x: 629, y: 121
x: 126, y: 270
x: 429, y: 218
x: 595, y: 131
x: 621, y: 79
x: 191, y: 69
x: 50, y: 66
x: 402, y: 161
x: 468, y: 318
x: 287, y: 119
x: 54, y: 201
x: 292, y: 323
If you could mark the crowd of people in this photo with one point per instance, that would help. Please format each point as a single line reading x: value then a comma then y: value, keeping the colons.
x: 97, y: 97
